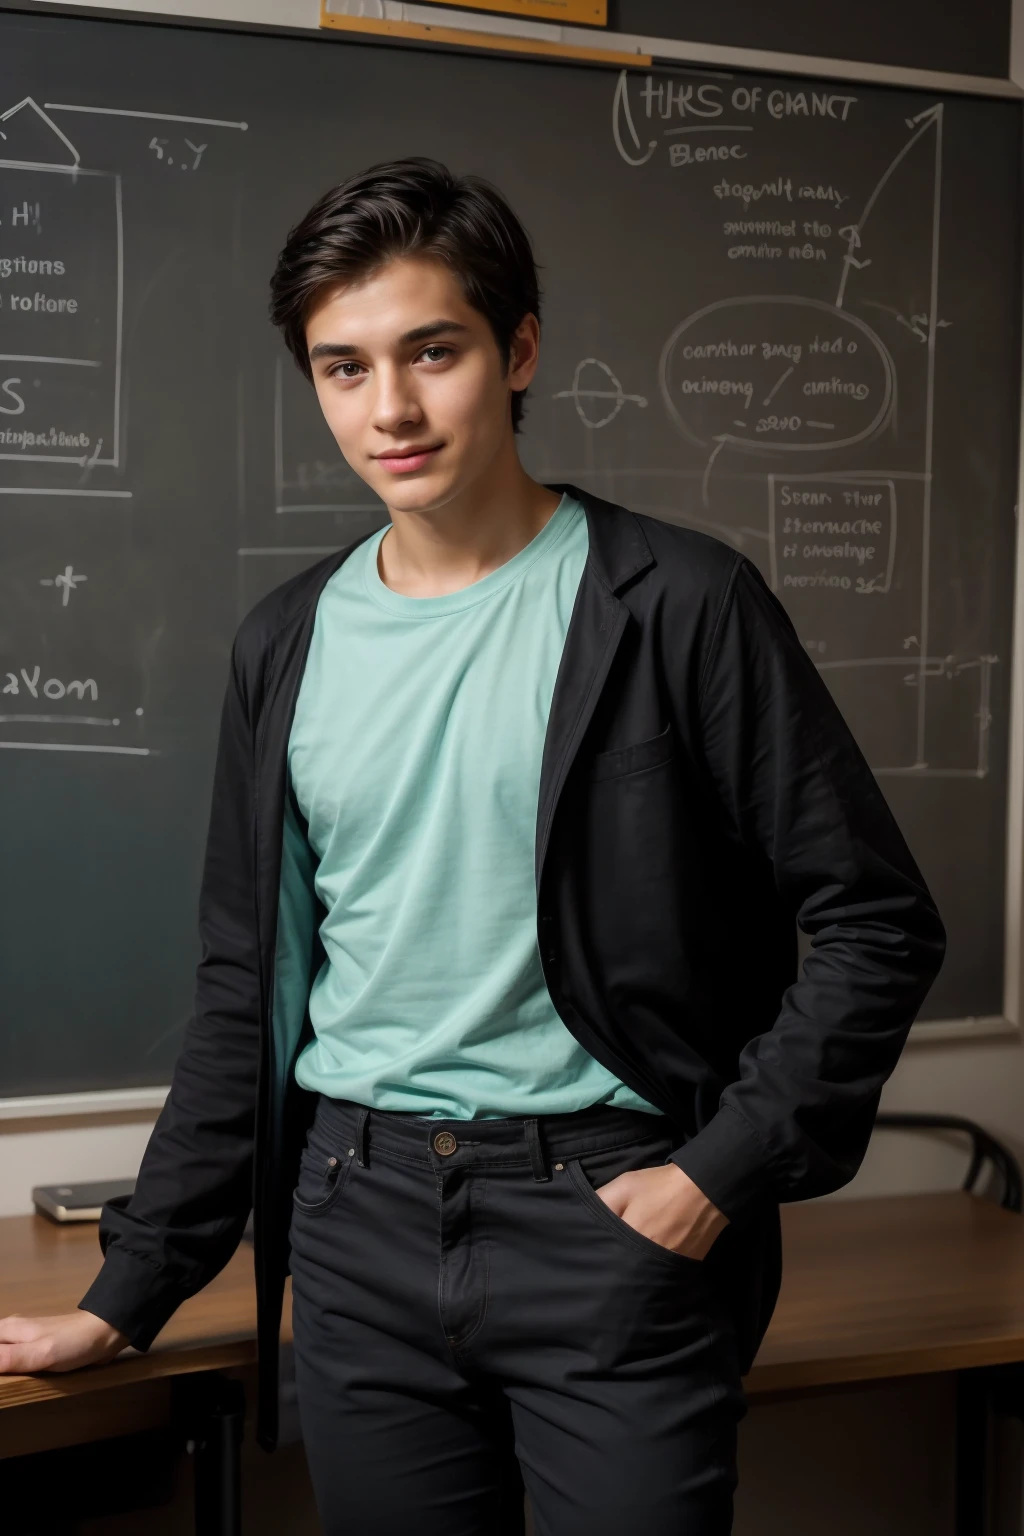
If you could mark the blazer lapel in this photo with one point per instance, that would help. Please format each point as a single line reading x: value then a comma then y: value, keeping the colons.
x: 618, y: 552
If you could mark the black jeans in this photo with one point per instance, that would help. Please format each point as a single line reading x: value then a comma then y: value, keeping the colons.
x: 469, y: 1317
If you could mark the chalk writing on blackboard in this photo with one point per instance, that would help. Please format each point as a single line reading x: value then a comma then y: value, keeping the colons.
x: 593, y: 380
x: 66, y: 582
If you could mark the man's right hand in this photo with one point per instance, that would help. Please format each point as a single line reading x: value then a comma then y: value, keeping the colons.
x: 61, y: 1343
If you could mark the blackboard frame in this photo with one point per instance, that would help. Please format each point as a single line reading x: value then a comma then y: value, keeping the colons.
x: 715, y: 57
x: 665, y: 50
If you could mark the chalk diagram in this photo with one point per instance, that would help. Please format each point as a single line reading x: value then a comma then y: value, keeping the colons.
x: 764, y: 386
x: 59, y: 401
x: 66, y: 583
x: 66, y: 664
x: 593, y: 380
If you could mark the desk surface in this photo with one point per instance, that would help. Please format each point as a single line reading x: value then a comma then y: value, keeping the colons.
x: 889, y: 1286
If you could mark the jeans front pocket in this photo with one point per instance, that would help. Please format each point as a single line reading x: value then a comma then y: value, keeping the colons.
x: 322, y: 1176
x: 590, y: 1170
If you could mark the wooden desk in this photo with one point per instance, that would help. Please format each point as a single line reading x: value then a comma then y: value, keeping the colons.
x: 46, y: 1268
x: 895, y: 1285
x: 891, y: 1286
x: 904, y: 1285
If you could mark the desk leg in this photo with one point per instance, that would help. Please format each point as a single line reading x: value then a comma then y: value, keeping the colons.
x: 215, y: 1414
x: 972, y: 1402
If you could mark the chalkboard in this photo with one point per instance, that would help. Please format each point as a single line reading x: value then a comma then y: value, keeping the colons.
x: 781, y: 311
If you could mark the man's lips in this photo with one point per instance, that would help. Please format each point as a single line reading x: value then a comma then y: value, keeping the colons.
x: 402, y: 462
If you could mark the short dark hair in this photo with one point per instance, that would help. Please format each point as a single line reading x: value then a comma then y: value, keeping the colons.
x: 414, y: 206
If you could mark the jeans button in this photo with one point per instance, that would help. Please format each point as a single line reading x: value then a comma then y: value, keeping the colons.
x: 445, y: 1143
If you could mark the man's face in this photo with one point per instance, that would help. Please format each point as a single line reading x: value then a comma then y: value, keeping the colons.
x: 384, y: 391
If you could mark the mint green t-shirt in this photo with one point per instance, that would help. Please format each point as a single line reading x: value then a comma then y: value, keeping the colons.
x: 415, y: 757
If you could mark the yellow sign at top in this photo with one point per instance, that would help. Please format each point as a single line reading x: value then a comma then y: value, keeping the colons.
x: 593, y: 13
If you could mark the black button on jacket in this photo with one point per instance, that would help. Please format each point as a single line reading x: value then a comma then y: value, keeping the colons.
x: 700, y: 796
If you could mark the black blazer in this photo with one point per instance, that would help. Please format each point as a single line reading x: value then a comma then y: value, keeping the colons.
x: 700, y: 796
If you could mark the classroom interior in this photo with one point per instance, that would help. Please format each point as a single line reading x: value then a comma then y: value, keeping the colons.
x: 888, y: 1397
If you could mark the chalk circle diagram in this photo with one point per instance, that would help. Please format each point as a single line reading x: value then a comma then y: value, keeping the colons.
x: 603, y: 385
x: 777, y: 374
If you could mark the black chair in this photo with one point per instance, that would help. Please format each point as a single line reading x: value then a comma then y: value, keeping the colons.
x: 982, y: 1146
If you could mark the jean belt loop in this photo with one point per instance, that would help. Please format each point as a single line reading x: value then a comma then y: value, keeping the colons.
x: 538, y: 1160
x: 362, y: 1137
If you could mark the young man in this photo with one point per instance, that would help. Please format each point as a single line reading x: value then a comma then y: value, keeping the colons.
x: 498, y: 1022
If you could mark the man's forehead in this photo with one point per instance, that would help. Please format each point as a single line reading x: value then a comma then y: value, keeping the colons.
x: 429, y: 287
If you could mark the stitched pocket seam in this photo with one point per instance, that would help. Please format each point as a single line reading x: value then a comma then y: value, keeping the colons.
x: 636, y: 756
x: 592, y: 1202
x: 320, y: 1206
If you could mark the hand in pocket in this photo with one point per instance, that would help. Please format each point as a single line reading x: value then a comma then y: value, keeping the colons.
x: 666, y: 1206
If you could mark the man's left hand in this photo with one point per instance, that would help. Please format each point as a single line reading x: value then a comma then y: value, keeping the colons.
x: 666, y: 1206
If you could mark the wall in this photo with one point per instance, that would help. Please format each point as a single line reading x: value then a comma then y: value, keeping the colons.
x: 264, y: 13
x: 59, y: 1147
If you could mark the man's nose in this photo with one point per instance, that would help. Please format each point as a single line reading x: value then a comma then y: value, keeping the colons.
x: 396, y: 400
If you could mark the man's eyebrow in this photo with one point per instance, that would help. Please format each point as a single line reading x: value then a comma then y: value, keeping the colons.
x: 418, y: 333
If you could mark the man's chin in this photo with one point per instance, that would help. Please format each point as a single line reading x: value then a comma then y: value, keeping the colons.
x: 423, y: 492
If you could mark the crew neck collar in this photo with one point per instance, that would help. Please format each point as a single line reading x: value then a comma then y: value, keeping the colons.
x: 477, y: 591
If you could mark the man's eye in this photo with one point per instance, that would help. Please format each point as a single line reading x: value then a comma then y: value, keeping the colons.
x: 445, y: 351
x: 338, y: 373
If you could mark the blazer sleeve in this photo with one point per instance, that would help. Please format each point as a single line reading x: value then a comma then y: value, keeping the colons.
x: 796, y: 786
x: 194, y: 1190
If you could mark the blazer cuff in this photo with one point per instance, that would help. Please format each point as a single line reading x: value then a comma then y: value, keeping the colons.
x: 727, y: 1162
x: 133, y: 1296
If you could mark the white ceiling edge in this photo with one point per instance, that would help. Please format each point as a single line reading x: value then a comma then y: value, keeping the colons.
x: 262, y: 13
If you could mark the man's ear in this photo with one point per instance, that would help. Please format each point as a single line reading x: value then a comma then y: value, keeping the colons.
x: 515, y: 348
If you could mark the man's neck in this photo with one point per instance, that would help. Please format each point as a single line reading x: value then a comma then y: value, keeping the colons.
x: 432, y: 553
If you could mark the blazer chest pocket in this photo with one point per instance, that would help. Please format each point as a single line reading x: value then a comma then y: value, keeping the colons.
x: 634, y: 758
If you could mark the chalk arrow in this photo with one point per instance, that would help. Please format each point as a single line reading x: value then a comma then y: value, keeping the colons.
x: 719, y: 445
x: 923, y: 121
x: 929, y: 115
